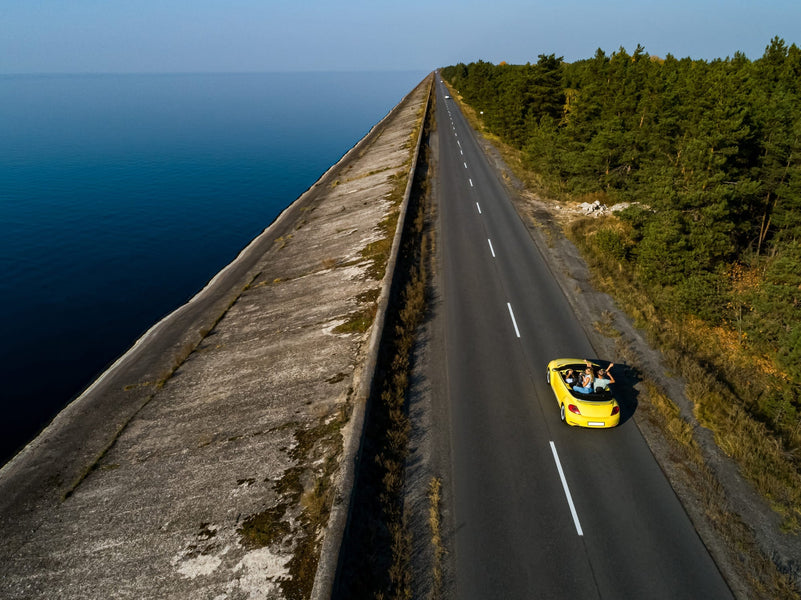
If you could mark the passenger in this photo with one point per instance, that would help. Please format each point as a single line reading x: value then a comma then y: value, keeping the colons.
x: 604, y: 378
x: 570, y: 377
x: 586, y: 381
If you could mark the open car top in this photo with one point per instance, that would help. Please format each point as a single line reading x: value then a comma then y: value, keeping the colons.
x: 596, y: 396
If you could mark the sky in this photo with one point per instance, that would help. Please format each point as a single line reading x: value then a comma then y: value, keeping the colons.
x: 143, y: 36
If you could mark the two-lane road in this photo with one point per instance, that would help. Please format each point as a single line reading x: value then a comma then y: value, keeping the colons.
x: 540, y: 510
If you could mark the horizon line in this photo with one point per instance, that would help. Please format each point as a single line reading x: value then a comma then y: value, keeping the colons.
x: 249, y: 72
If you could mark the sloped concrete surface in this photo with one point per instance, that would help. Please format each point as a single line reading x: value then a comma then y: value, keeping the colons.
x: 195, y: 468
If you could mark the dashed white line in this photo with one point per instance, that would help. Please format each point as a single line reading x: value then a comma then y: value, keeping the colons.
x: 478, y: 207
x: 471, y: 182
x: 465, y: 165
x: 489, y: 241
x: 567, y: 490
x: 514, y: 322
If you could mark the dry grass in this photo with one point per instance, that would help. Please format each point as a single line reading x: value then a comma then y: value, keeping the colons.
x: 750, y: 566
x: 669, y: 419
x: 762, y: 457
x: 435, y: 525
x: 606, y: 325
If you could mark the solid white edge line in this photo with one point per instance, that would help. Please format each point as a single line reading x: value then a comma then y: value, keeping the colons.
x: 567, y: 490
x: 514, y: 322
x: 489, y: 241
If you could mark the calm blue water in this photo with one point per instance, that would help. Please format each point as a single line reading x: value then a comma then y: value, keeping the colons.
x: 122, y: 195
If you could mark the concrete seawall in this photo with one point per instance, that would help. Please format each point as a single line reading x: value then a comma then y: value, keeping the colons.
x: 203, y: 463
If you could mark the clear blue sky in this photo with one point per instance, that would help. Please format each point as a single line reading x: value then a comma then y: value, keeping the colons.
x: 80, y: 36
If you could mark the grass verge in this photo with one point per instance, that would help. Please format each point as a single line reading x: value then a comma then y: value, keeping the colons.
x: 435, y: 525
x: 737, y: 550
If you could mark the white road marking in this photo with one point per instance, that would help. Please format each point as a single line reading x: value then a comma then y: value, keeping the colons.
x: 567, y: 490
x: 458, y: 143
x: 514, y: 322
x: 471, y: 182
x: 478, y: 207
x: 465, y: 165
x: 489, y: 241
x: 461, y: 152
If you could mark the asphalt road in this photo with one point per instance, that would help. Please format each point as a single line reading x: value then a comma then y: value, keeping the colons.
x: 609, y: 526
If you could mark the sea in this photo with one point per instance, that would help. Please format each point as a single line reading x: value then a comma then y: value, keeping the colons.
x: 121, y: 196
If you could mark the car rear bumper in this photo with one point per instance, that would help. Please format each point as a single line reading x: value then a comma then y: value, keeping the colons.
x: 592, y: 422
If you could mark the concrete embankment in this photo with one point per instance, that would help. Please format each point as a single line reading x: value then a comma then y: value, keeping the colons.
x: 214, y: 459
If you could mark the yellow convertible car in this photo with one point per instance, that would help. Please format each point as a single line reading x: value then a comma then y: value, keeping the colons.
x: 597, y: 408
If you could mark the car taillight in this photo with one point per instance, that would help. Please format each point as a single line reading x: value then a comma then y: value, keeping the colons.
x: 574, y: 409
x: 615, y: 410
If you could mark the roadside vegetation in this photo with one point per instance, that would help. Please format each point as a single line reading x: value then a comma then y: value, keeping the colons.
x: 437, y: 542
x: 707, y: 256
x: 375, y: 559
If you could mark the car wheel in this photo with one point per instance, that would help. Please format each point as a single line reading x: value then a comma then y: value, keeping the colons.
x: 562, y: 413
x: 548, y: 376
